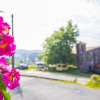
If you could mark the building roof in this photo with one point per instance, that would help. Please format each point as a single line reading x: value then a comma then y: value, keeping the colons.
x: 82, y: 43
x: 87, y: 49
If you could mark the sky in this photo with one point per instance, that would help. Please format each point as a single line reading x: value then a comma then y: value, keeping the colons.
x: 35, y: 20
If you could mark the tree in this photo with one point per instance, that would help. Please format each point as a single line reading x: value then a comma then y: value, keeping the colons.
x: 58, y: 47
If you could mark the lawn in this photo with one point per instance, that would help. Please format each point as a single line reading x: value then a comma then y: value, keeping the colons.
x: 31, y: 67
x: 72, y: 71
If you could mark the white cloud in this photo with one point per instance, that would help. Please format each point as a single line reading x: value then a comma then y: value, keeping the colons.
x: 35, y: 20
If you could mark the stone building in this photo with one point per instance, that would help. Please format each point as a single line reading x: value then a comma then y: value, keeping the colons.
x: 88, y: 58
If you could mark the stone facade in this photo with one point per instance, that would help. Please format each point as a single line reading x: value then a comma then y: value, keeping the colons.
x: 87, y: 59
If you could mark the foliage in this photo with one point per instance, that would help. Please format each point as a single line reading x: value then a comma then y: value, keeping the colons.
x: 94, y: 81
x: 72, y: 71
x: 52, y: 69
x: 6, y: 95
x: 58, y: 47
x: 3, y: 89
x: 31, y: 67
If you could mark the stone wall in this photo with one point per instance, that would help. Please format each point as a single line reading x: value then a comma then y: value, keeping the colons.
x: 86, y: 60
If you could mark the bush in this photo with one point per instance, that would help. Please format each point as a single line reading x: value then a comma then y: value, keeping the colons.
x: 32, y: 67
x: 94, y: 81
x: 72, y: 66
x: 52, y: 68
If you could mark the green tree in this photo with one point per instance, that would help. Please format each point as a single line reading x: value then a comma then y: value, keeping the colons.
x: 58, y: 47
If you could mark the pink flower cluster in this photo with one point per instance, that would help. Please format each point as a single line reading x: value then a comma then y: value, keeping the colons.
x: 7, y: 46
x: 4, y: 66
x: 10, y: 76
x: 4, y: 27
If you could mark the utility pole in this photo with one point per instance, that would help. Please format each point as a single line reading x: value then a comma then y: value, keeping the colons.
x: 12, y: 35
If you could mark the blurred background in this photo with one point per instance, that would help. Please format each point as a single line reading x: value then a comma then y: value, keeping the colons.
x: 35, y: 22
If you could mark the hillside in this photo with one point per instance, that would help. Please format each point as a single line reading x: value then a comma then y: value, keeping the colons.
x: 28, y: 56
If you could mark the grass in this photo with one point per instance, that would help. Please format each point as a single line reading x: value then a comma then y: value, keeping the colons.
x: 90, y: 85
x: 72, y: 70
x: 31, y: 67
x: 94, y: 81
x: 63, y: 82
x: 93, y: 85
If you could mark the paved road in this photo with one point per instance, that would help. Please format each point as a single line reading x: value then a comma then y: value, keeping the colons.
x: 41, y: 89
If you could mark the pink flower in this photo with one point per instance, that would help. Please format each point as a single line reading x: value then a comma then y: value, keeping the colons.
x: 1, y: 96
x: 4, y: 27
x: 3, y: 61
x: 1, y: 19
x: 7, y: 46
x: 4, y: 67
x: 11, y: 79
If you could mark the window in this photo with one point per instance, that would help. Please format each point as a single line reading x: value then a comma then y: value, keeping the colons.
x: 59, y: 65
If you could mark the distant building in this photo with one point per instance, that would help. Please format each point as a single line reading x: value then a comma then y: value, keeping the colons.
x: 88, y: 58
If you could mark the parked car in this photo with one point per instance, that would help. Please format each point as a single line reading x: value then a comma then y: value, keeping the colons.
x: 62, y: 67
x: 23, y: 66
x: 41, y: 65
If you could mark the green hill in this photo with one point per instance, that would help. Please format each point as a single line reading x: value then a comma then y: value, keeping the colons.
x: 27, y: 56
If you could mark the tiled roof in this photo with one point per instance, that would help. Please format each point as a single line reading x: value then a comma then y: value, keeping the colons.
x: 90, y: 48
x: 87, y: 49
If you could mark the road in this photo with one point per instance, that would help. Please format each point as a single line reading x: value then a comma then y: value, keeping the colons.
x: 41, y: 89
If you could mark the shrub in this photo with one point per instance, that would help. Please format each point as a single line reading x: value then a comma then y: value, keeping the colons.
x: 94, y: 81
x: 32, y: 67
x: 52, y: 68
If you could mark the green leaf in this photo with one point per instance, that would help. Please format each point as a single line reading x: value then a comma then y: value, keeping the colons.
x: 0, y: 78
x: 6, y: 95
x: 2, y: 86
